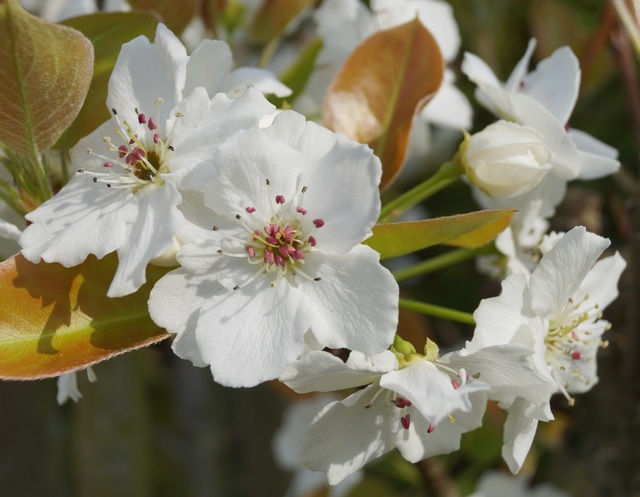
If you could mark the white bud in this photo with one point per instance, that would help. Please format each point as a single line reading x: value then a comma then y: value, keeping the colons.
x: 505, y: 159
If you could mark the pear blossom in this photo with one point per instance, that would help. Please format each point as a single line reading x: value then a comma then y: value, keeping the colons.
x: 544, y: 100
x: 418, y: 404
x: 280, y: 253
x: 505, y: 159
x: 131, y: 170
x: 557, y: 313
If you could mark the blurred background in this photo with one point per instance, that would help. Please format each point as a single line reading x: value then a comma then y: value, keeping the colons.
x: 155, y: 426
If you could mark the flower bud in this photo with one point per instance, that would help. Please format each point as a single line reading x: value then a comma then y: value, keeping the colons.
x: 505, y: 159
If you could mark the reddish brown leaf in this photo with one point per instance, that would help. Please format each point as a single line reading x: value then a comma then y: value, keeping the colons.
x: 384, y: 82
x: 55, y: 320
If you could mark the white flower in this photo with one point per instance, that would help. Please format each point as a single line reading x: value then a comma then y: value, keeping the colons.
x: 418, y: 409
x: 495, y: 484
x: 287, y: 449
x: 544, y: 100
x: 420, y: 405
x: 125, y: 195
x: 557, y: 313
x: 505, y: 159
x: 290, y: 206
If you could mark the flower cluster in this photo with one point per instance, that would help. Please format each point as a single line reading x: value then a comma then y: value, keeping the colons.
x: 266, y: 223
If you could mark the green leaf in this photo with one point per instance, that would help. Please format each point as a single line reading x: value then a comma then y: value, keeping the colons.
x: 387, y: 79
x: 45, y: 71
x: 463, y: 230
x: 107, y: 32
x: 55, y: 320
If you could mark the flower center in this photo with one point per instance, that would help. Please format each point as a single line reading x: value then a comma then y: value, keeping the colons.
x: 140, y: 157
x: 577, y: 327
x: 278, y: 241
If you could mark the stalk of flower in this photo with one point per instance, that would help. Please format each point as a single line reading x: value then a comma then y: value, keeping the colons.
x: 418, y: 403
x: 557, y: 313
x: 132, y: 169
x: 285, y: 217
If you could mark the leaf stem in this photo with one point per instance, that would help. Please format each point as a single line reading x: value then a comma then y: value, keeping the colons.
x: 437, y: 311
x: 435, y: 263
x: 448, y: 173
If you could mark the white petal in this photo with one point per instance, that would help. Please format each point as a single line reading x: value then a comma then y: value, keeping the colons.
x: 596, y: 166
x: 429, y: 390
x: 287, y: 441
x: 499, y: 318
x: 520, y: 70
x: 562, y: 269
x: 347, y: 435
x: 245, y: 162
x: 251, y: 335
x: 449, y: 107
x: 174, y: 304
x: 601, y: 283
x: 332, y: 165
x: 204, y: 126
x: 519, y: 432
x: 355, y: 304
x: 145, y: 72
x: 526, y: 110
x: 555, y: 83
x: 68, y: 388
x: 262, y: 80
x: 9, y: 231
x: 509, y: 369
x: 320, y: 371
x: 209, y: 65
x: 417, y: 443
x: 81, y: 219
x: 151, y: 233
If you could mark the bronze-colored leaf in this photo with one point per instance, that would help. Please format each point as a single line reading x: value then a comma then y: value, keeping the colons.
x: 45, y: 71
x: 56, y: 320
x: 384, y: 82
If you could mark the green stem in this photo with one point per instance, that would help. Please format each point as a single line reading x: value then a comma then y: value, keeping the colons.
x: 448, y: 173
x: 435, y: 263
x: 437, y: 311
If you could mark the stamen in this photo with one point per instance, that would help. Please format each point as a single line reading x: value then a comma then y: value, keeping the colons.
x: 318, y: 223
x: 405, y: 421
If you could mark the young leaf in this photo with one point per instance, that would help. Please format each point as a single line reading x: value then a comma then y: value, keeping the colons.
x: 463, y: 230
x: 45, y: 71
x: 384, y: 82
x: 108, y: 32
x: 56, y: 320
